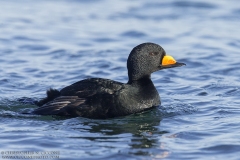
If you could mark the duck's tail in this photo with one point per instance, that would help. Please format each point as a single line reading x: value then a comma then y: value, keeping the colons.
x: 51, y: 94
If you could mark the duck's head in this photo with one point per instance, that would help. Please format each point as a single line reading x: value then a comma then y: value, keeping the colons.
x: 147, y: 58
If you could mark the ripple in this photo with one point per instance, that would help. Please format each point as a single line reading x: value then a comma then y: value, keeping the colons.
x: 173, y: 109
x: 229, y: 148
x: 196, y: 5
x: 234, y: 44
x: 35, y: 47
x: 6, y: 51
x: 103, y: 40
x: 133, y: 34
x: 202, y: 94
x: 23, y: 38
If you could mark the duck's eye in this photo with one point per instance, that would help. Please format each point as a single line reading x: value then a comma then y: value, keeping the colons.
x: 153, y: 53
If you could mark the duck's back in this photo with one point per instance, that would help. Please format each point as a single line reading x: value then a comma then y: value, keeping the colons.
x: 91, y: 98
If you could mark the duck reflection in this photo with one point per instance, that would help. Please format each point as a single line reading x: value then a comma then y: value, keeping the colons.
x: 140, y: 132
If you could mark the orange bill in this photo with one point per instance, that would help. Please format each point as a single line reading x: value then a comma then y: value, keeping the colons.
x: 168, y: 60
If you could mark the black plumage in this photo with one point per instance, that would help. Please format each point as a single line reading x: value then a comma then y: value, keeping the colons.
x: 104, y: 98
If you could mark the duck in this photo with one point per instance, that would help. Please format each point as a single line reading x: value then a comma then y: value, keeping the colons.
x: 99, y: 98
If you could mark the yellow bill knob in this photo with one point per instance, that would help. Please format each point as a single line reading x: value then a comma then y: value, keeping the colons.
x: 168, y: 60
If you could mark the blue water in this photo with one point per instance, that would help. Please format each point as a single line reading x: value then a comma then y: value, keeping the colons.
x: 50, y: 43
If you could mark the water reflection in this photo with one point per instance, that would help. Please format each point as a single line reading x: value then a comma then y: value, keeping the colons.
x: 140, y: 132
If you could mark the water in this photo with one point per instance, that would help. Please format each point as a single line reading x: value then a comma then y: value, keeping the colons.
x: 47, y: 44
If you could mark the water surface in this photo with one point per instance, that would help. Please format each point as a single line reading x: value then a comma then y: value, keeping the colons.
x: 47, y: 44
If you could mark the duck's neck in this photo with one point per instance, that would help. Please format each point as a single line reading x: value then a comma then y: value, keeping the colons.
x: 143, y: 81
x: 145, y: 88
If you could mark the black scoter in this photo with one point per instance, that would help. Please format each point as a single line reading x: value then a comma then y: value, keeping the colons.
x: 100, y: 98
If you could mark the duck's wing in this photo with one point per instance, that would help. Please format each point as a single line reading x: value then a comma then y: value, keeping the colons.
x: 87, y: 98
x: 92, y: 86
x: 59, y: 106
